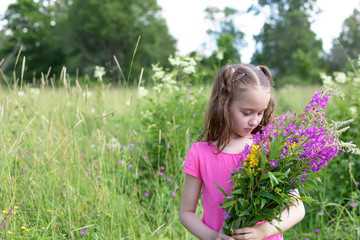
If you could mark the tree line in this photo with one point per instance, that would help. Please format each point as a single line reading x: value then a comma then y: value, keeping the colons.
x: 81, y: 34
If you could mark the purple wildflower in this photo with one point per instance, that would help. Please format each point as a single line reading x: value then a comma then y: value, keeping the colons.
x: 146, y: 194
x: 83, y: 232
x: 354, y: 204
x: 317, y: 230
x: 161, y: 173
x: 320, y: 213
x: 227, y: 215
x: 169, y: 179
x: 174, y: 194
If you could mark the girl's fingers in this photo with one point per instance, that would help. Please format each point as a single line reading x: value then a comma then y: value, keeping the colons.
x: 242, y: 230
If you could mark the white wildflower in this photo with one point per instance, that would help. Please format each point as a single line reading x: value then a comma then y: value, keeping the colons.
x: 327, y: 81
x: 189, y: 69
x: 99, y: 72
x: 340, y: 77
x: 142, y: 92
x: 128, y: 102
x: 21, y: 94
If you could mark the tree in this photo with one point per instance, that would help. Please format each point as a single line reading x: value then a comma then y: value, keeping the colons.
x: 99, y: 30
x: 228, y: 38
x: 81, y: 34
x: 31, y: 24
x: 286, y: 42
x: 347, y: 45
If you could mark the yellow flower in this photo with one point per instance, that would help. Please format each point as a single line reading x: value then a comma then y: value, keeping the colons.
x: 43, y: 228
x: 293, y: 144
x: 5, y: 211
x: 10, y: 232
x: 285, y: 143
x: 16, y: 207
x: 49, y: 210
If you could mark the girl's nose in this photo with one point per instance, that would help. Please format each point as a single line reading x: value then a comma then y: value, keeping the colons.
x: 252, y: 122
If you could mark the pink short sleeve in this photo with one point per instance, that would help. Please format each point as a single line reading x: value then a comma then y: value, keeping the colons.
x: 192, y: 163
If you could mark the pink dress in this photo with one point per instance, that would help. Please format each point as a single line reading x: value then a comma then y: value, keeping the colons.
x: 203, y: 163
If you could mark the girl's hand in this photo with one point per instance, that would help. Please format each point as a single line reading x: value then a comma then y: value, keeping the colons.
x: 249, y: 233
x: 222, y: 236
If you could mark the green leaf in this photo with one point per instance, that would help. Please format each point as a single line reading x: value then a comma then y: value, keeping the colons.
x: 251, y: 177
x: 263, y: 202
x: 263, y: 157
x: 222, y: 190
x: 244, y: 213
x: 273, y: 179
x: 268, y: 195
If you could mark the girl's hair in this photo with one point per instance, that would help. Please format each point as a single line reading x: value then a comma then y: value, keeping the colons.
x: 230, y: 82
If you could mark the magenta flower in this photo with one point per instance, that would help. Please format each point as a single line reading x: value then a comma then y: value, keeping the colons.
x: 83, y: 232
x: 174, y: 194
x: 144, y: 157
x: 177, y: 187
x: 317, y: 230
x: 146, y: 194
x: 354, y: 204
x: 169, y: 179
x: 87, y: 172
x: 162, y: 167
x: 121, y: 161
x: 161, y: 173
x: 135, y: 188
x: 29, y: 154
x: 22, y: 156
x: 82, y: 154
x: 357, y: 183
x: 320, y: 213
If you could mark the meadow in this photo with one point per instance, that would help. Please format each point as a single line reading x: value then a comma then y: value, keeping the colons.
x: 106, y: 162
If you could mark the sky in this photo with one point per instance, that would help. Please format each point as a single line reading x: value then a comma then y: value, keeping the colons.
x: 187, y: 23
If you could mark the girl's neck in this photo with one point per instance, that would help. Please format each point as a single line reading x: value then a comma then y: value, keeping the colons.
x: 236, y: 144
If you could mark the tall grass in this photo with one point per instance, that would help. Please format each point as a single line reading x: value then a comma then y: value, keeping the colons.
x: 104, y: 163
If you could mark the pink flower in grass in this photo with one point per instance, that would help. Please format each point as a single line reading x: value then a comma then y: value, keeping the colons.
x: 317, y: 230
x: 83, y: 232
x: 354, y: 204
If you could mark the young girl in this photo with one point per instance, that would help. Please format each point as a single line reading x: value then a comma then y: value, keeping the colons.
x: 240, y: 104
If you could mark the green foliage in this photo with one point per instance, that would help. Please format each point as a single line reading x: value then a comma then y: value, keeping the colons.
x: 174, y: 118
x: 81, y: 34
x: 227, y: 36
x: 347, y: 45
x: 287, y: 44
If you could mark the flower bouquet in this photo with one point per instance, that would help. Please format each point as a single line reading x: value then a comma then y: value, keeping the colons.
x: 286, y: 155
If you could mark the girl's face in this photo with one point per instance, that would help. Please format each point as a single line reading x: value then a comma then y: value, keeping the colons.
x: 247, y: 110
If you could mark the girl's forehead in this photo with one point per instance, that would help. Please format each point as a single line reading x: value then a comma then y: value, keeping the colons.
x: 253, y: 98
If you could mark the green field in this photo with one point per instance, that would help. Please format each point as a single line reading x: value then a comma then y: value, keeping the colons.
x: 103, y: 163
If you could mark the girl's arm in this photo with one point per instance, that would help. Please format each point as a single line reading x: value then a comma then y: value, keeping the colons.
x: 187, y: 215
x: 289, y: 218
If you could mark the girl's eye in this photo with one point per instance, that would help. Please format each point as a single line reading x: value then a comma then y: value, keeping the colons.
x: 246, y: 114
x: 261, y: 113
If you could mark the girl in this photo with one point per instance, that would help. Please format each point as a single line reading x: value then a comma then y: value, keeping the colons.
x: 240, y: 104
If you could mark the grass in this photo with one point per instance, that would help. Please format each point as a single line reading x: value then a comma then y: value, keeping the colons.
x: 81, y: 164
